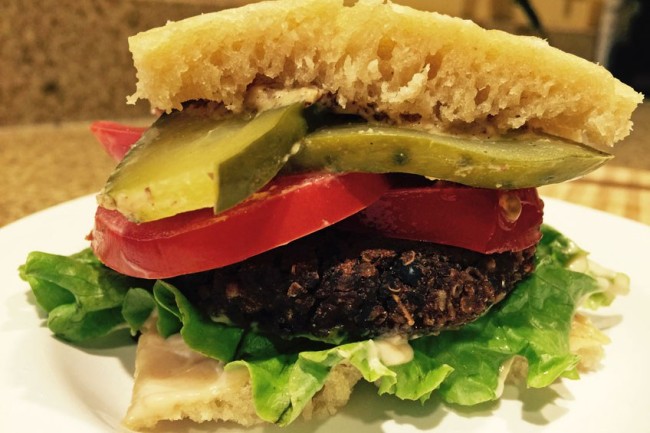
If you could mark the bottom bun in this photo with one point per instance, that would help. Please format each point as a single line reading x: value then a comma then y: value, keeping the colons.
x: 172, y: 382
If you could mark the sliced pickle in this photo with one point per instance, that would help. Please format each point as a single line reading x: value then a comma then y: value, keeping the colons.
x: 193, y: 159
x: 507, y: 162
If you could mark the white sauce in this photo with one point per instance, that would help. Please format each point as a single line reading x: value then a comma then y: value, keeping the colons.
x: 394, y: 350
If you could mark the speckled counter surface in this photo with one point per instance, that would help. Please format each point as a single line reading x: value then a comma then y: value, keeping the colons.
x: 47, y: 164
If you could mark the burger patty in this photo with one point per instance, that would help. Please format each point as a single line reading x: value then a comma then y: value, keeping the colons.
x: 336, y: 285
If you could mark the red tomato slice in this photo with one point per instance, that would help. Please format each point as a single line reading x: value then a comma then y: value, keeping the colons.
x: 287, y: 209
x: 483, y: 220
x: 116, y: 138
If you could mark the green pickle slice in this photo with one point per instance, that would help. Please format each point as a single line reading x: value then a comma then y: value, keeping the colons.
x: 507, y: 162
x: 193, y: 159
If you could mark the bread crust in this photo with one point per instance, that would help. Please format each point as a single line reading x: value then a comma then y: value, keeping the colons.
x: 414, y: 68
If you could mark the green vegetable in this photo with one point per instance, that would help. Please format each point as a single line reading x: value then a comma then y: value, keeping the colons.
x: 462, y: 366
x: 503, y: 162
x: 137, y: 307
x: 176, y: 314
x: 196, y: 158
x: 84, y: 299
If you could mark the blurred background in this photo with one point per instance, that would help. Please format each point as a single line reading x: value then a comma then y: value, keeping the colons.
x: 64, y: 63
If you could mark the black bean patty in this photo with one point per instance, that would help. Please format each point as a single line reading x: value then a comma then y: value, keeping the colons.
x: 337, y: 284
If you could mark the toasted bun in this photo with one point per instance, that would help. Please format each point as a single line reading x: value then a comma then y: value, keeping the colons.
x: 409, y: 67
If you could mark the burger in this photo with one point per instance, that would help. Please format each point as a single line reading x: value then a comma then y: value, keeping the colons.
x: 336, y: 193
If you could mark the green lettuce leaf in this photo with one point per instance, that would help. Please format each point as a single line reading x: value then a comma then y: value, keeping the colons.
x: 555, y: 246
x: 83, y: 298
x: 86, y: 300
x: 283, y: 384
x: 533, y: 323
x: 137, y: 308
x: 176, y: 314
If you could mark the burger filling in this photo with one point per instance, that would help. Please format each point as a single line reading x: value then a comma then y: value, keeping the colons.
x: 244, y: 233
x: 340, y: 286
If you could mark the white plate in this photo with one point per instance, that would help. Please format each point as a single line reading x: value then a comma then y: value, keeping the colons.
x: 47, y: 385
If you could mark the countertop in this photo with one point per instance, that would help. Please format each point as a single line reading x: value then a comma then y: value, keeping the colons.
x: 46, y: 164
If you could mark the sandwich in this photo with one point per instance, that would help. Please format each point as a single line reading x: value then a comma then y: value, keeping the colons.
x: 336, y: 193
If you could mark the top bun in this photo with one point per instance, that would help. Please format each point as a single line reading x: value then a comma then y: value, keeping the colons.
x: 386, y: 61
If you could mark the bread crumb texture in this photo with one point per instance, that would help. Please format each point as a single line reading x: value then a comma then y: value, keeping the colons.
x: 412, y: 67
x: 172, y: 383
